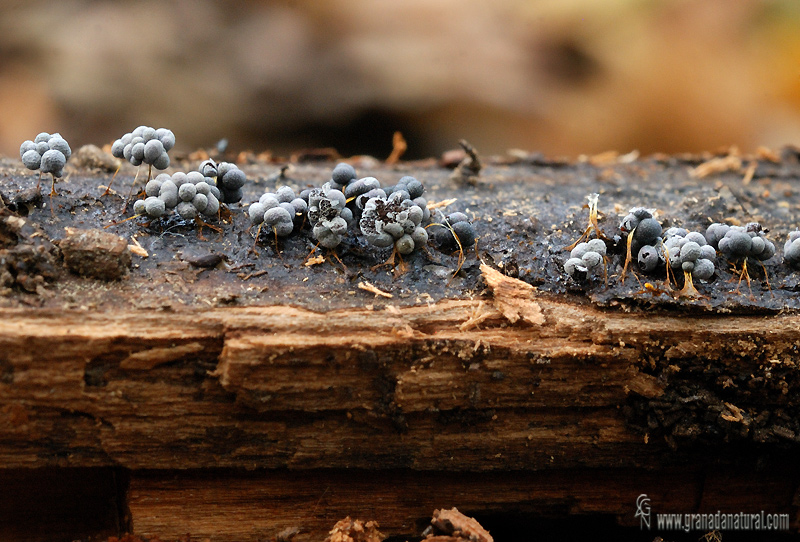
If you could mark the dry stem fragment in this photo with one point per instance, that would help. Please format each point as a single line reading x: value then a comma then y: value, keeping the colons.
x: 364, y: 285
x: 399, y: 147
x: 717, y: 165
x: 443, y: 203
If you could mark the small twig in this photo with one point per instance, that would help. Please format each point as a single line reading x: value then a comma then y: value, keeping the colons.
x: 364, y: 285
x: 252, y: 275
x: 52, y: 193
x: 121, y: 221
x: 461, y: 256
x: 253, y: 249
x: 237, y: 267
x: 344, y: 267
x: 732, y: 162
x: 593, y: 198
x: 201, y: 223
x: 474, y: 162
x: 629, y: 258
x: 130, y: 192
x: 749, y: 173
x: 443, y: 203
x: 310, y: 253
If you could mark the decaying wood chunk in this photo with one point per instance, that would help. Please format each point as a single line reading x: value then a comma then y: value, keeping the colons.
x: 157, y: 375
x: 95, y: 253
x: 455, y: 523
x: 355, y: 530
x: 644, y: 385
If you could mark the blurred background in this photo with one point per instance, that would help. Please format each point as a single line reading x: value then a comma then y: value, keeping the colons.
x: 564, y: 77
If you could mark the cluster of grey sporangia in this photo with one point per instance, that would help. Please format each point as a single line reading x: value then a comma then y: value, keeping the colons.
x: 228, y: 177
x: 689, y: 252
x: 193, y: 194
x: 391, y: 216
x: 188, y: 194
x: 281, y: 211
x: 145, y: 145
x: 394, y: 216
x: 585, y: 257
x: 791, y: 249
x: 740, y: 242
x: 47, y: 153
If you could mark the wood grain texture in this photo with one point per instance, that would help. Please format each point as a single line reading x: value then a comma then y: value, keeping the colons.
x: 257, y: 506
x: 394, y: 388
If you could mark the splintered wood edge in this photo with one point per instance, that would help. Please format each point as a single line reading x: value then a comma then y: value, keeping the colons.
x: 277, y: 360
x: 513, y: 297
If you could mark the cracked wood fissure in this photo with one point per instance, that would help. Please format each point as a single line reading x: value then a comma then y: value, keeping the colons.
x: 282, y: 387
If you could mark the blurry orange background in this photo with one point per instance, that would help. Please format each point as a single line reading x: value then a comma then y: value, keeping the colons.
x: 563, y: 77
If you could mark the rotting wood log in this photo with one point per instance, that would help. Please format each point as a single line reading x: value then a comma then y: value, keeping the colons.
x: 214, y: 390
x: 398, y: 388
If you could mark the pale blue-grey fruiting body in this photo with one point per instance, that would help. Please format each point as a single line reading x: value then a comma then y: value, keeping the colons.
x: 145, y: 145
x: 187, y: 194
x: 48, y: 153
x: 584, y: 257
x: 739, y: 242
x: 342, y: 175
x: 791, y: 249
x: 281, y: 211
x: 689, y: 251
x: 328, y: 215
x: 393, y: 220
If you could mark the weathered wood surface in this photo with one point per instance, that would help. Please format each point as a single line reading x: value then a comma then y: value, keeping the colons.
x: 392, y: 388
